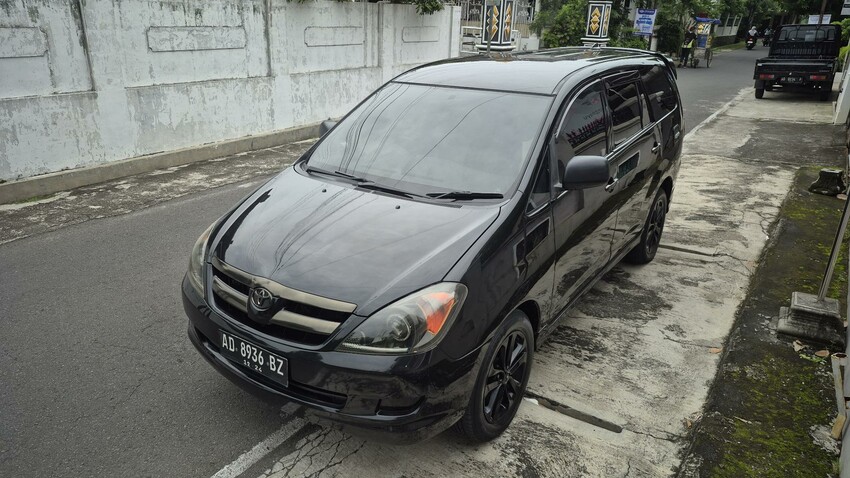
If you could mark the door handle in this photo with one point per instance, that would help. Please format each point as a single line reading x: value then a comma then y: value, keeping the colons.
x: 611, y: 183
x: 656, y: 148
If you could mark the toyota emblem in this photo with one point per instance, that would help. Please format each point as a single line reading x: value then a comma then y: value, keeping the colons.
x: 261, y: 299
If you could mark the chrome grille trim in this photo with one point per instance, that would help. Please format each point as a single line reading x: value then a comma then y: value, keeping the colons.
x: 302, y: 322
x: 283, y: 291
x: 229, y: 294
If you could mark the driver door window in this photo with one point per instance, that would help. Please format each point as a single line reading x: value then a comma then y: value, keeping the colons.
x: 583, y: 130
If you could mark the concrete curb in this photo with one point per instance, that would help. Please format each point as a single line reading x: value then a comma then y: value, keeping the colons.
x: 64, y: 180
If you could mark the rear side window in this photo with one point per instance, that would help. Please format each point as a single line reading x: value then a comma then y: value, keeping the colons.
x: 625, y: 108
x: 659, y: 91
x: 807, y: 33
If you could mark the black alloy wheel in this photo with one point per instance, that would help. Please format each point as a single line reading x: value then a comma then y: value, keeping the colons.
x: 650, y: 238
x: 502, y: 378
x: 505, y: 378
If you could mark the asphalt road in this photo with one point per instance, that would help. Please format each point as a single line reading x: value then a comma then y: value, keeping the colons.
x: 98, y: 377
x: 704, y: 90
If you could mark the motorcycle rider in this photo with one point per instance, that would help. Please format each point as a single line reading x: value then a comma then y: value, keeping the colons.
x: 751, y: 37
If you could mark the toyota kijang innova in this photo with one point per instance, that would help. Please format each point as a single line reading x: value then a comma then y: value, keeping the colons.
x: 399, y: 276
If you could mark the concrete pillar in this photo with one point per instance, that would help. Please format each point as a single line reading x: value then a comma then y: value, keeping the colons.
x: 496, y: 26
x: 596, y: 28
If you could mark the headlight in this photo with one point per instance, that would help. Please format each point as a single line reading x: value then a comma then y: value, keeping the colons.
x: 196, y: 261
x: 413, y: 324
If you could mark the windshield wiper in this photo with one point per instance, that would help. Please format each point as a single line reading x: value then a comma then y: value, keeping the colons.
x: 386, y: 189
x: 363, y: 183
x: 464, y: 195
x: 358, y: 179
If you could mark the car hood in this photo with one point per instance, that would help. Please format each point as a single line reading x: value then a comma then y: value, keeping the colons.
x: 356, y: 246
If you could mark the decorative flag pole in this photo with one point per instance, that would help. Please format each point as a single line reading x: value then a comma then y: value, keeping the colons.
x: 596, y: 30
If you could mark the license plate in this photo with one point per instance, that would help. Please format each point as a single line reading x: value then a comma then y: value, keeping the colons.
x: 792, y: 79
x: 254, y: 358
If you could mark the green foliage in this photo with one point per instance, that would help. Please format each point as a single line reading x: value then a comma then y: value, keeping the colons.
x: 845, y: 29
x: 842, y: 55
x: 627, y: 39
x: 566, y: 27
x: 428, y: 7
x: 670, y: 34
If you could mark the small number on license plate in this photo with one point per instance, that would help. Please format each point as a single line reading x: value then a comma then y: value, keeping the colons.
x: 254, y: 358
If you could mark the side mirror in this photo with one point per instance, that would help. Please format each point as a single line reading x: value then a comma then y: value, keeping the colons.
x: 325, y: 127
x: 584, y: 172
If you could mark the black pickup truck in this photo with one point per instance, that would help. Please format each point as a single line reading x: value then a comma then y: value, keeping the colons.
x: 801, y: 56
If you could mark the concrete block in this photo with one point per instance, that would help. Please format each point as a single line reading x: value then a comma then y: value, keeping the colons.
x: 813, y: 320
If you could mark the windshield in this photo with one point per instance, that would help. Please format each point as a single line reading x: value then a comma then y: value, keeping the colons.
x: 426, y: 139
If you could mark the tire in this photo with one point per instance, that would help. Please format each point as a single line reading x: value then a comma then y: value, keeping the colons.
x: 824, y: 93
x: 501, y: 392
x: 759, y: 93
x: 708, y: 56
x: 650, y: 237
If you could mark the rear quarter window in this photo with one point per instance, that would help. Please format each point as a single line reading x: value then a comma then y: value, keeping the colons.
x: 661, y: 97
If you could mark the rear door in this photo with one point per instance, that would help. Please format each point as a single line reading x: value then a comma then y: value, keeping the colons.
x: 635, y: 152
x: 663, y: 104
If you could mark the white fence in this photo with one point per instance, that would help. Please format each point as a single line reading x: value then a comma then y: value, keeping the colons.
x: 85, y: 82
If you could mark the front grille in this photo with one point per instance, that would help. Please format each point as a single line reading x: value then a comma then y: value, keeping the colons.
x: 298, y: 321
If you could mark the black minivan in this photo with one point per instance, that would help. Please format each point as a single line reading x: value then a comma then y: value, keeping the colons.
x: 399, y: 276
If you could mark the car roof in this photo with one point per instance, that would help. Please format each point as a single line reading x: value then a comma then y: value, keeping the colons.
x: 539, y: 72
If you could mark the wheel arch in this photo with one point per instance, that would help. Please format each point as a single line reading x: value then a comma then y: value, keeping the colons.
x: 531, y: 310
x: 667, y: 187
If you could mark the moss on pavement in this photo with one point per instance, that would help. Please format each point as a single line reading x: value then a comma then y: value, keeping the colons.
x: 767, y: 397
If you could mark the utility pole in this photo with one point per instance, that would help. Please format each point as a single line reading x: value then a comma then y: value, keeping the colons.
x: 822, y: 9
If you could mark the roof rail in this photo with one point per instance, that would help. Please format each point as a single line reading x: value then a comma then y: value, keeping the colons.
x: 667, y: 61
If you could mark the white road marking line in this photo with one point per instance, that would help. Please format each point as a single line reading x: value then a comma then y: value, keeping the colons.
x: 260, y: 450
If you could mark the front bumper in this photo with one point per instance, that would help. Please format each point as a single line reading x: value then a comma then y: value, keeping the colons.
x: 397, y: 398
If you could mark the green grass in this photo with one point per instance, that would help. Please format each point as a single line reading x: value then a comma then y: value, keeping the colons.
x: 730, y: 47
x: 34, y: 199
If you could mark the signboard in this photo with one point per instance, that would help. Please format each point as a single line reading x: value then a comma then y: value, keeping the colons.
x: 813, y: 19
x: 598, y: 16
x: 845, y: 8
x: 644, y: 21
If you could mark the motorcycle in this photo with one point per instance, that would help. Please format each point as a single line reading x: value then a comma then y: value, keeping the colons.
x: 751, y: 42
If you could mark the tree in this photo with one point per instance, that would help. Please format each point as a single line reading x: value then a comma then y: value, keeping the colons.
x: 563, y: 24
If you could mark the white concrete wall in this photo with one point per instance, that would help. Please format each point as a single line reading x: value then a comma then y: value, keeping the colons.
x: 85, y: 82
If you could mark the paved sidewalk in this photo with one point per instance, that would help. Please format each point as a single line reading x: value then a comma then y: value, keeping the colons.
x: 133, y: 193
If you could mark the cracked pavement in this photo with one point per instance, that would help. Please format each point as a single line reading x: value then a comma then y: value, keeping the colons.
x: 100, y: 380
